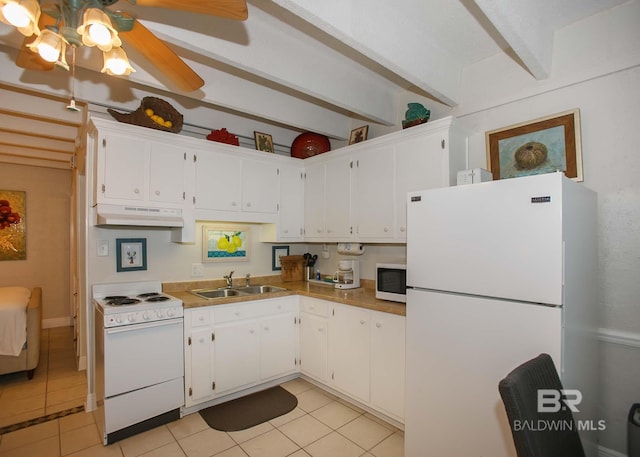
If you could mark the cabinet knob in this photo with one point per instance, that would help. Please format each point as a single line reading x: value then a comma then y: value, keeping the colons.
x: 248, y: 204
x: 136, y: 191
x: 285, y: 231
x: 237, y: 313
x: 362, y: 322
x: 251, y: 331
x: 386, y: 229
x: 266, y: 329
x: 157, y: 192
x: 233, y: 203
x: 321, y: 329
x: 378, y: 325
x: 319, y: 230
x: 403, y: 229
x: 329, y: 231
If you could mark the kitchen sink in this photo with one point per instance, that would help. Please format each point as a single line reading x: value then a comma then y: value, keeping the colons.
x: 252, y: 290
x: 216, y: 293
x: 224, y: 292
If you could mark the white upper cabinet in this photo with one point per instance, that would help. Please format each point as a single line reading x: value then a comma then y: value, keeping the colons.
x: 373, y: 193
x: 290, y: 224
x: 132, y: 170
x: 218, y: 181
x: 314, y: 228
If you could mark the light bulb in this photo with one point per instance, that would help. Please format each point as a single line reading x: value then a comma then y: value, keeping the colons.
x: 48, y: 45
x: 116, y: 63
x: 16, y: 14
x: 100, y: 34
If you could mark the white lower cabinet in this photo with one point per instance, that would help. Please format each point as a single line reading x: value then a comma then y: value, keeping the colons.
x: 232, y: 347
x: 356, y: 351
x: 314, y: 338
x: 198, y: 355
x: 387, y: 363
x: 350, y: 350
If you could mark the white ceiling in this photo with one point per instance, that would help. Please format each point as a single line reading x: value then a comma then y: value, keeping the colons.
x: 316, y: 65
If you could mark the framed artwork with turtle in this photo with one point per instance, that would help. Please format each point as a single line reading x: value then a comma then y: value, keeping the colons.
x: 543, y: 145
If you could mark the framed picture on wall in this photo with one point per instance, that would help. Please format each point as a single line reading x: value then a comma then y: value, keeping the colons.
x: 13, y: 238
x: 225, y: 243
x: 131, y: 254
x: 276, y: 253
x: 544, y: 145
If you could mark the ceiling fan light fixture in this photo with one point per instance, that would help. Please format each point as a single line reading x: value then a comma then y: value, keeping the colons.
x: 97, y: 30
x: 62, y: 59
x: 116, y: 63
x: 48, y: 45
x: 22, y: 14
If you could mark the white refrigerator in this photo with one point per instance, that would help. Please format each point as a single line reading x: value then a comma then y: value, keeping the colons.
x: 497, y: 273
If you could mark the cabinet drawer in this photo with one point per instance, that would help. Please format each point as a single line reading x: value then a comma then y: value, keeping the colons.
x: 235, y: 312
x: 312, y: 306
x: 201, y: 317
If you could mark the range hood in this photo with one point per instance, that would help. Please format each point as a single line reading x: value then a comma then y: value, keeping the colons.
x: 138, y: 216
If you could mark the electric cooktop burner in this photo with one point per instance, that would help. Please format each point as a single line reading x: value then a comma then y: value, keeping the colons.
x: 120, y: 300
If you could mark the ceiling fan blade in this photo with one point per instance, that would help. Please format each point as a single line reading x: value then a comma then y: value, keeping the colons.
x: 230, y: 9
x: 162, y: 57
x: 31, y: 60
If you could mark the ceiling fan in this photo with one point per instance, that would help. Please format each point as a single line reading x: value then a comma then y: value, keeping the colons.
x: 52, y: 27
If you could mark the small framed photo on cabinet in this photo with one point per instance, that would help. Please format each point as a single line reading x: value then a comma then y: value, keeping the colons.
x: 358, y: 135
x: 264, y: 142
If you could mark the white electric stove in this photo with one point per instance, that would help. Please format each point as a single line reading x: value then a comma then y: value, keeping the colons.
x: 139, y: 358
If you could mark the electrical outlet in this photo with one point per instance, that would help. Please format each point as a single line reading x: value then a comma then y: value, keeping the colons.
x: 197, y: 269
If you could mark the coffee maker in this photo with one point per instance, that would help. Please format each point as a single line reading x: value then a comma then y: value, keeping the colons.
x: 348, y: 275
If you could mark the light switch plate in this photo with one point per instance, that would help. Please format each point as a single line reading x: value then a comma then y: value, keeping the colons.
x: 197, y: 269
x: 103, y: 248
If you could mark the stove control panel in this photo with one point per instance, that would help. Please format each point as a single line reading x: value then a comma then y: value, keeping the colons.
x: 128, y: 317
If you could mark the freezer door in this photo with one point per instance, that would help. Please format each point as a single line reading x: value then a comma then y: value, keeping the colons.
x: 496, y: 239
x: 458, y: 349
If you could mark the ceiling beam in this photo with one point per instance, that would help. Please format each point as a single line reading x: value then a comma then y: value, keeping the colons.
x: 386, y: 33
x: 527, y: 27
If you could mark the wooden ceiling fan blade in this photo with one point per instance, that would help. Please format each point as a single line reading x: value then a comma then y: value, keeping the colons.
x: 162, y: 57
x: 230, y: 9
x: 30, y: 60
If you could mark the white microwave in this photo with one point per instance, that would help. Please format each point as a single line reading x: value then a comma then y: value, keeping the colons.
x: 391, y: 281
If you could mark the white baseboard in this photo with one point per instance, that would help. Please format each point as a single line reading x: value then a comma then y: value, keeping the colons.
x: 56, y: 322
x: 617, y: 337
x: 606, y: 452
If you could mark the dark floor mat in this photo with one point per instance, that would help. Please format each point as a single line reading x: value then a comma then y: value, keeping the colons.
x: 246, y: 412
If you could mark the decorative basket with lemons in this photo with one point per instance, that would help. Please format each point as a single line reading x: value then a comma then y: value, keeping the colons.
x: 153, y: 113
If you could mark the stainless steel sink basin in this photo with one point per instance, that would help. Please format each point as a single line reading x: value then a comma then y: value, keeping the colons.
x: 259, y: 289
x: 216, y: 293
x: 224, y: 292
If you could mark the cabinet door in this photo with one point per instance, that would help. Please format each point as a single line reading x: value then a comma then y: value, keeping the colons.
x: 373, y: 193
x: 218, y: 181
x: 259, y: 186
x: 338, y: 199
x: 124, y: 168
x: 236, y: 355
x: 291, y: 209
x: 278, y: 342
x: 349, y: 350
x: 313, y: 346
x: 419, y: 165
x: 387, y: 363
x: 167, y: 173
x: 199, y: 373
x: 314, y: 201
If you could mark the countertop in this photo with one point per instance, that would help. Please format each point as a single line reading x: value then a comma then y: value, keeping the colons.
x: 362, y: 297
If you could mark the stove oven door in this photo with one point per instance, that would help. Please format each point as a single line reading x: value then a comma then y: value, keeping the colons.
x: 142, y: 355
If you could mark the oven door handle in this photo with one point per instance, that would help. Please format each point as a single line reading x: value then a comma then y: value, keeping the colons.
x: 144, y: 325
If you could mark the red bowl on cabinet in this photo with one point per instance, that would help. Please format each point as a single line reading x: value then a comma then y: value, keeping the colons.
x: 309, y: 144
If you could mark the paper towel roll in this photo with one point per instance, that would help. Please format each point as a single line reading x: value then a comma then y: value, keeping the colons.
x: 350, y: 248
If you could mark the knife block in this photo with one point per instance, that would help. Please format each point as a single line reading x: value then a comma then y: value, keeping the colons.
x: 292, y: 268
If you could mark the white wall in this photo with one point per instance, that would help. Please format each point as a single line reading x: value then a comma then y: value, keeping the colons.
x: 596, y: 68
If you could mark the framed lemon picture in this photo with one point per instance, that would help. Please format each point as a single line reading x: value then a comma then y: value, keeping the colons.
x: 225, y: 243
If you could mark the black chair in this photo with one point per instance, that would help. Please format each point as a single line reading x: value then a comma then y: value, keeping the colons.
x: 538, y: 434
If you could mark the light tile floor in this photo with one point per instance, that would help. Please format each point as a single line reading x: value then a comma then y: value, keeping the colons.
x: 320, y: 426
x: 56, y: 385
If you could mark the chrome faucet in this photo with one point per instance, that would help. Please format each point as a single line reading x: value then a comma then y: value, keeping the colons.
x: 229, y: 279
x: 248, y: 279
